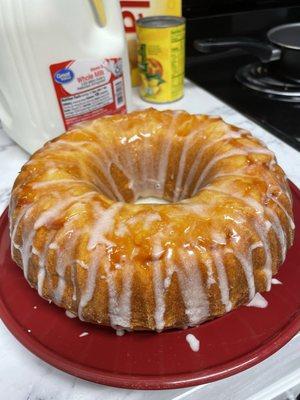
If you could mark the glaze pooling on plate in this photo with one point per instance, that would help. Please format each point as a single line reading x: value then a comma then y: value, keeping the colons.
x: 83, y: 334
x: 258, y: 301
x: 193, y: 342
x: 83, y: 243
x: 276, y: 282
x: 69, y: 314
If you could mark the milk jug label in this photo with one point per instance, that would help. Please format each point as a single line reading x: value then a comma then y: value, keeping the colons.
x: 88, y: 89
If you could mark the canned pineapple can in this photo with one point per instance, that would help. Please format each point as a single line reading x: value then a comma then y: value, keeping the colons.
x: 161, y: 41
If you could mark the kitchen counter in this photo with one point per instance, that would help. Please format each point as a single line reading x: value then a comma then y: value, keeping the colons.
x: 23, y: 376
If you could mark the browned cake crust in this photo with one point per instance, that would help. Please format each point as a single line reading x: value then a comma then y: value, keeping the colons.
x: 84, y: 245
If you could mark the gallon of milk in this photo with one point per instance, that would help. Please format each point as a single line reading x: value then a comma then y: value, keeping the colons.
x: 62, y: 62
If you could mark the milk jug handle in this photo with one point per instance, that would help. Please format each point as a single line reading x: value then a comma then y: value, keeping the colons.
x: 5, y: 114
x: 99, y: 11
x: 108, y: 14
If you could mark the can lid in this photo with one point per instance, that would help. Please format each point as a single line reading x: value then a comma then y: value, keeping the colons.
x: 160, y: 21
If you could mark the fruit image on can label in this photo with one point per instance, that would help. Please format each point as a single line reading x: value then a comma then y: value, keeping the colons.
x: 151, y: 74
x: 161, y: 58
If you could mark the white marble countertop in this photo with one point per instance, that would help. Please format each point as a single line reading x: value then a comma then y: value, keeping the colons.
x: 25, y: 377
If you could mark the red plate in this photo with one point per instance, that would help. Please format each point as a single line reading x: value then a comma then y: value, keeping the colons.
x: 229, y: 344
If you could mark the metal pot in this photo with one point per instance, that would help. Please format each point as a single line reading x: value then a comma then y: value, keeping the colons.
x: 283, y: 47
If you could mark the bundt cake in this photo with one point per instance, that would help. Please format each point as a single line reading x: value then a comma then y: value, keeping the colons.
x: 84, y: 243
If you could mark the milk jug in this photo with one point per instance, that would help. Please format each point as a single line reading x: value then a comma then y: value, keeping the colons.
x: 62, y: 62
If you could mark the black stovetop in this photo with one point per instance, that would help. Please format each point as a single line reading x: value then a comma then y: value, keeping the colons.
x: 216, y: 72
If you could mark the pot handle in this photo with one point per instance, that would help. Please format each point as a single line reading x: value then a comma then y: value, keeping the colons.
x: 264, y: 51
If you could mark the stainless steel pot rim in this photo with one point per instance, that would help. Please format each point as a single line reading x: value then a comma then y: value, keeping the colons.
x: 274, y: 30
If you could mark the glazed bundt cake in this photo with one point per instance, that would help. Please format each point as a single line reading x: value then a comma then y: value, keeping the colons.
x: 84, y: 244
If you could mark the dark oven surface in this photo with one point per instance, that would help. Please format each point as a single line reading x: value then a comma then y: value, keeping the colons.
x: 216, y: 72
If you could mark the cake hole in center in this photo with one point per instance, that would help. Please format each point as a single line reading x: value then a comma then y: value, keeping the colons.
x: 151, y: 200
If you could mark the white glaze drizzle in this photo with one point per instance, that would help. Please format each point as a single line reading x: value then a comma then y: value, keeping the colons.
x: 187, y: 144
x: 289, y: 218
x: 150, y: 218
x: 210, y: 274
x: 276, y: 224
x: 218, y: 237
x: 83, y: 334
x: 130, y: 169
x: 256, y: 245
x: 13, y: 231
x: 276, y: 282
x: 279, y: 231
x: 105, y: 220
x: 81, y: 263
x: 119, y: 305
x: 121, y: 229
x: 247, y: 264
x: 26, y: 251
x: 198, y: 158
x: 233, y: 152
x: 222, y: 279
x: 261, y: 226
x: 215, y: 160
x: 42, y: 184
x: 258, y: 301
x: 103, y: 161
x: 124, y: 300
x: 54, y: 211
x: 42, y: 268
x: 69, y: 314
x: 45, y: 217
x: 199, y: 209
x: 27, y: 239
x: 263, y: 234
x: 41, y: 278
x: 165, y: 149
x: 193, y: 342
x: 145, y: 164
x: 65, y: 258
x: 127, y: 156
x: 88, y: 292
x: 170, y: 267
x: 192, y: 289
x: 167, y: 282
x: 108, y: 159
x: 158, y: 284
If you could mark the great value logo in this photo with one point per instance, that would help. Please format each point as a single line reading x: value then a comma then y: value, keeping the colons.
x: 64, y: 75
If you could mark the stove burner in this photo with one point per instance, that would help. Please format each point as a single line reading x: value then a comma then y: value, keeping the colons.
x: 261, y: 78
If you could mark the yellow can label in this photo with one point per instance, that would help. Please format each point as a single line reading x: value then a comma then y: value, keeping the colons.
x: 161, y: 63
x: 132, y: 11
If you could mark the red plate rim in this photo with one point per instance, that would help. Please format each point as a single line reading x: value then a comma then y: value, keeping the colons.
x: 172, y: 381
